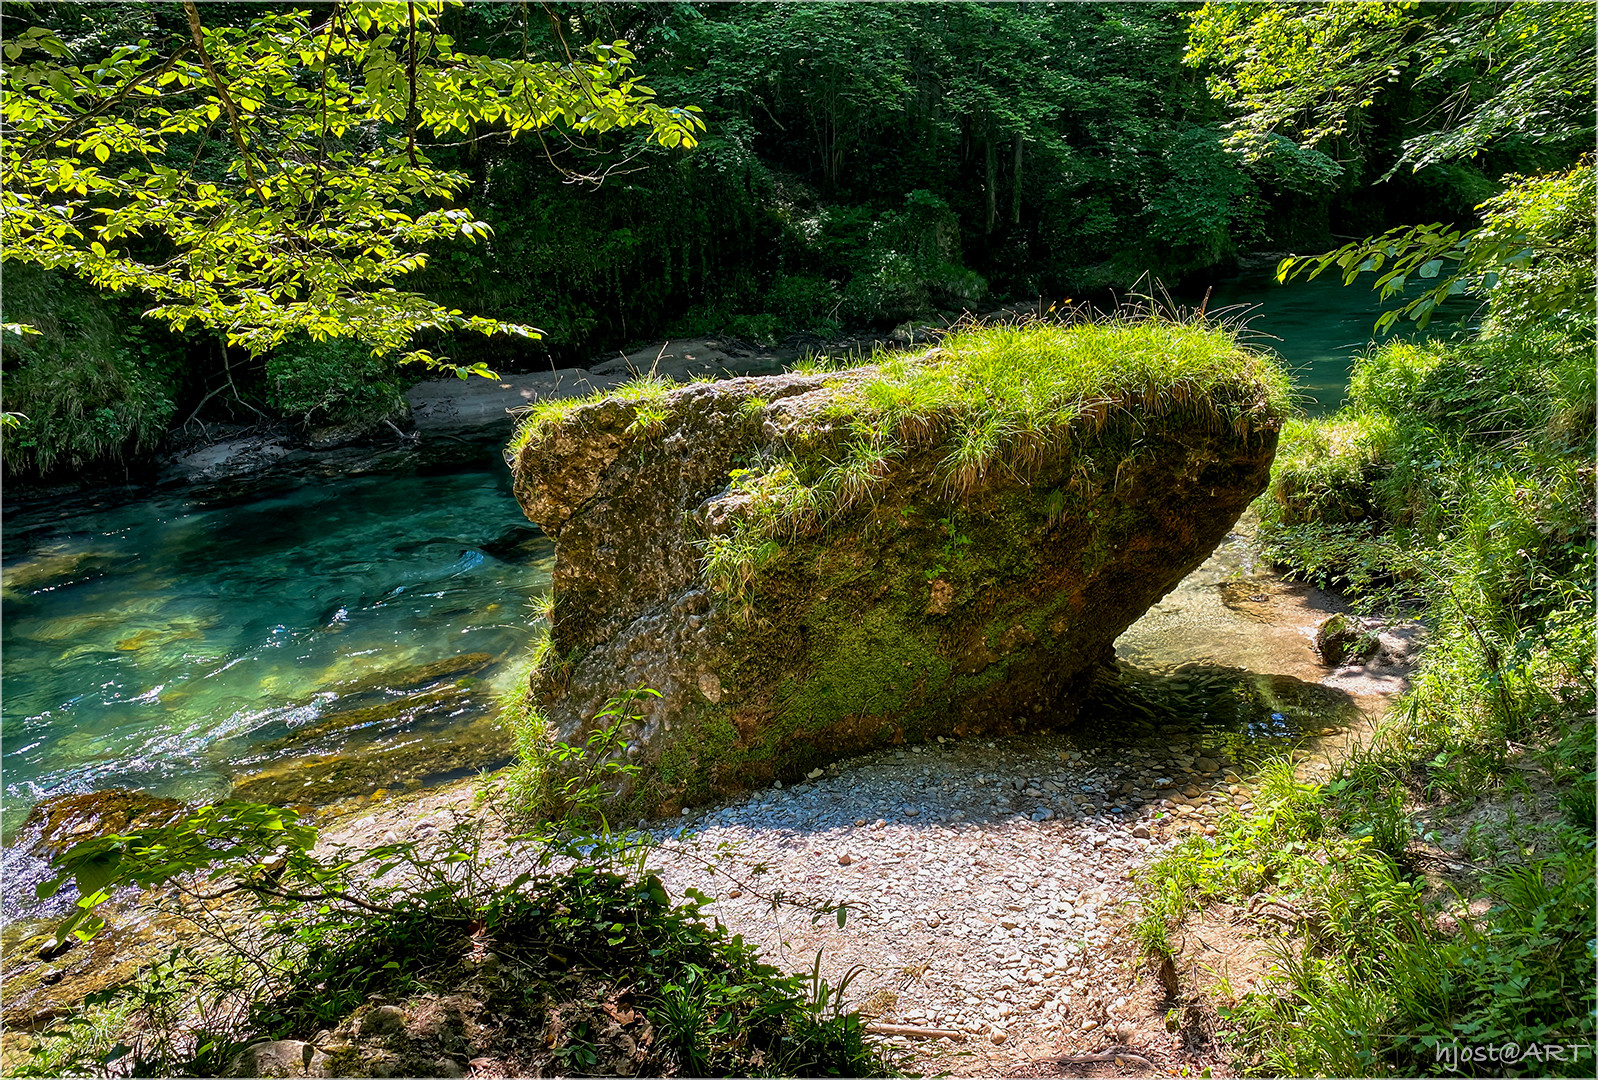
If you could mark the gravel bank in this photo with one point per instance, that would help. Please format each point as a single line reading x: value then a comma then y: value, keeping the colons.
x: 987, y: 884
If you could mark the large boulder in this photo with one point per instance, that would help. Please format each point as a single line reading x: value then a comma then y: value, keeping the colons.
x: 806, y: 566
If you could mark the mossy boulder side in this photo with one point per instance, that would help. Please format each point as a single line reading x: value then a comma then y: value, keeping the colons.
x: 807, y: 566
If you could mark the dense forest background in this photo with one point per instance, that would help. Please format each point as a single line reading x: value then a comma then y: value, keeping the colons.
x: 861, y: 165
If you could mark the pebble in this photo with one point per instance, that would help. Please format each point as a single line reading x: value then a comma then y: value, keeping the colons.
x: 383, y: 1020
x: 977, y: 875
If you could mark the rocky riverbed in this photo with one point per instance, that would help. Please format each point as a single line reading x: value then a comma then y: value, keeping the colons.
x: 990, y: 882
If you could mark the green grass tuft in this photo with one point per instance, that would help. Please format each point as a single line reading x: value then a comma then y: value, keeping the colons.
x: 997, y: 398
x: 645, y: 394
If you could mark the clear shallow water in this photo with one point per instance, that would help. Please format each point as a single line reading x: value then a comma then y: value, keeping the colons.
x: 176, y: 641
x: 1318, y: 327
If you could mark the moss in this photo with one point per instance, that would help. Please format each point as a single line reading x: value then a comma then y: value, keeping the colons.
x: 996, y: 672
x: 687, y: 768
x: 993, y: 402
x: 871, y: 662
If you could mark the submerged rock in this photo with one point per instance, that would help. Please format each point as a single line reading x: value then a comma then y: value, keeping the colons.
x: 1344, y: 639
x: 808, y: 566
x: 51, y: 568
x: 59, y: 821
x: 435, y: 750
x: 414, y: 676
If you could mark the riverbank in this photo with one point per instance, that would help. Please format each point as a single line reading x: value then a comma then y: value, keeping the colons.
x: 934, y: 848
x: 1211, y: 622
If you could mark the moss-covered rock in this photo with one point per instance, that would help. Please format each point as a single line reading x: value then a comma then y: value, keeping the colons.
x: 810, y: 565
x: 59, y: 821
x: 1343, y: 639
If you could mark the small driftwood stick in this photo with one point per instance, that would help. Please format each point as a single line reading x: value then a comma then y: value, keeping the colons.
x: 1109, y: 1055
x: 916, y: 1032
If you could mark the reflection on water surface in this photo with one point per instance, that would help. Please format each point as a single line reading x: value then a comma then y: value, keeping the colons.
x: 177, y: 641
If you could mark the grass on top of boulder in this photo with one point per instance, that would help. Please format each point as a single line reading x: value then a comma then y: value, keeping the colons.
x: 993, y: 383
x: 986, y: 398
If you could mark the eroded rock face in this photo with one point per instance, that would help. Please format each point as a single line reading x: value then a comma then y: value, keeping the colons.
x: 918, y: 611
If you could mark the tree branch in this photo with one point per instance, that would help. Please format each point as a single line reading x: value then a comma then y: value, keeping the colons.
x: 121, y: 95
x: 410, y: 71
x: 227, y: 99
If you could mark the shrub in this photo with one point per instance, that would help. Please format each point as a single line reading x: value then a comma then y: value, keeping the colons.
x: 95, y: 387
x: 803, y: 302
x: 909, y: 263
x: 329, y: 382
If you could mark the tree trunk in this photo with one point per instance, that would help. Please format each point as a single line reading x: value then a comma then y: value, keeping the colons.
x: 992, y: 185
x: 1015, y: 184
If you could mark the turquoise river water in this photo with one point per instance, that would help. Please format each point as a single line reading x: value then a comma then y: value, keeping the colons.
x: 319, y: 638
x: 177, y: 641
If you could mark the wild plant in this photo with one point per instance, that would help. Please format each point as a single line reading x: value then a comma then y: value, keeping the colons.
x: 333, y: 926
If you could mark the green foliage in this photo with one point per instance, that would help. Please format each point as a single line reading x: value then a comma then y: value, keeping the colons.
x: 586, y: 777
x: 860, y: 165
x: 1456, y: 486
x: 1303, y: 70
x: 329, y: 381
x: 1526, y: 71
x: 1371, y: 976
x: 1535, y: 244
x: 85, y: 391
x: 1543, y: 225
x: 248, y: 836
x: 327, y: 195
x: 1432, y: 466
x: 1517, y: 72
x: 1513, y: 76
x: 908, y: 263
x: 804, y: 301
x: 1324, y: 470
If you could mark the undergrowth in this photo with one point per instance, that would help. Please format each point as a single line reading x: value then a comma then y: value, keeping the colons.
x: 89, y: 390
x: 1455, y: 488
x: 1376, y: 973
x: 567, y: 915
